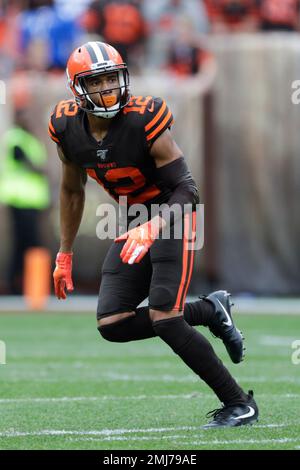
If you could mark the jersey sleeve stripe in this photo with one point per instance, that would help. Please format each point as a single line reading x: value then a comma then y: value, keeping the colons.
x: 51, y: 132
x: 156, y: 118
x: 51, y: 128
x: 164, y: 124
x: 55, y: 139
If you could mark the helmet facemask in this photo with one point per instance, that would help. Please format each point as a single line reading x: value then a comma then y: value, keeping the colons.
x: 111, y: 104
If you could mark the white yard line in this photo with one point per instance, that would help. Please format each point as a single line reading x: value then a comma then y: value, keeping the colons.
x: 101, y: 432
x: 283, y: 440
x: 118, y: 434
x: 137, y: 438
x: 282, y: 341
x: 104, y: 398
x: 188, y: 396
x: 274, y: 426
x: 190, y: 378
x: 109, y: 376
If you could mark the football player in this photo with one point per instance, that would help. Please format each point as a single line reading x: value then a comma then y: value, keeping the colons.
x: 125, y: 144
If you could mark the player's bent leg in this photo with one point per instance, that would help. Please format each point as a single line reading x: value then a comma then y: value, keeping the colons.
x: 110, y: 327
x: 237, y: 414
x: 214, y: 311
x: 127, y: 326
x: 122, y: 289
x: 157, y: 315
x: 172, y: 263
x: 222, y: 325
x: 108, y: 320
x: 198, y: 355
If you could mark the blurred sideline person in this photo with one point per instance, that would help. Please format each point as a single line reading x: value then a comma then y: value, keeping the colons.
x: 278, y: 15
x: 166, y: 20
x: 125, y: 144
x: 232, y: 16
x: 120, y: 23
x: 24, y: 190
x: 186, y: 54
x: 46, y: 36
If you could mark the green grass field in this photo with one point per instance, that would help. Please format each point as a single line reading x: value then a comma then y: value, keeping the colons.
x: 64, y: 387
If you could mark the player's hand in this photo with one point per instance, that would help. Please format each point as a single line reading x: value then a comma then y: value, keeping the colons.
x: 138, y: 242
x: 62, y: 275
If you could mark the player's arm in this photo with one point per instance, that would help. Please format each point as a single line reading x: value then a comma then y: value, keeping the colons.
x: 173, y: 171
x: 171, y: 167
x: 164, y: 151
x: 72, y: 197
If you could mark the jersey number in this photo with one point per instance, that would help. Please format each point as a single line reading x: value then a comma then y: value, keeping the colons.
x: 138, y: 104
x: 113, y: 184
x: 67, y: 108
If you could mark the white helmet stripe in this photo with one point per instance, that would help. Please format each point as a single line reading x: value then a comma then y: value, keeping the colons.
x: 97, y: 51
x: 103, y: 50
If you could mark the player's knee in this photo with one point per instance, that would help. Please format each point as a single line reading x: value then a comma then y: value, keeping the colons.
x: 111, y: 333
x: 113, y: 318
x: 110, y: 328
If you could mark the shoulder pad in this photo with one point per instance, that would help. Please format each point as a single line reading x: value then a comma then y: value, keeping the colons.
x: 158, y: 118
x: 151, y: 114
x: 63, y: 111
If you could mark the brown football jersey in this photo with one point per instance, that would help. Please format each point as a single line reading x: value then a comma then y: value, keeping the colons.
x: 121, y: 162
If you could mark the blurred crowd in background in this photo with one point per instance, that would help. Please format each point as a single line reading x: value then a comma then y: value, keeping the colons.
x: 40, y: 34
x: 224, y: 66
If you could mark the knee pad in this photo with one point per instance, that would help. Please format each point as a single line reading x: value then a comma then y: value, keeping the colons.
x: 161, y: 298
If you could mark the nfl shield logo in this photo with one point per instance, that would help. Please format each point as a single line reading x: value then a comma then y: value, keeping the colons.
x: 102, y: 154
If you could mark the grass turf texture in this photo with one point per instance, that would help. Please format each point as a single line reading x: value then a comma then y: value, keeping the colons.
x: 64, y: 387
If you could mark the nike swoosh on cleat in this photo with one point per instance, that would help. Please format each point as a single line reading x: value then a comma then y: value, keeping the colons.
x: 250, y: 413
x: 229, y: 321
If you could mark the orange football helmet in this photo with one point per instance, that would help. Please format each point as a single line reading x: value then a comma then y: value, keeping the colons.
x: 91, y: 59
